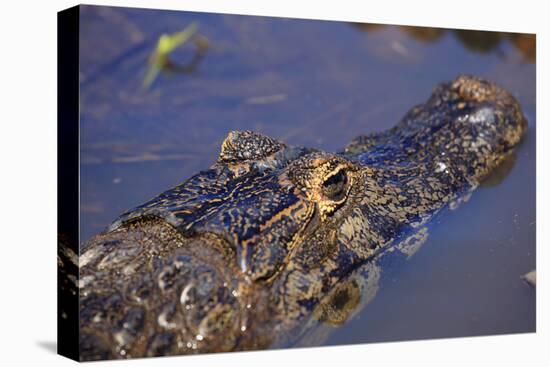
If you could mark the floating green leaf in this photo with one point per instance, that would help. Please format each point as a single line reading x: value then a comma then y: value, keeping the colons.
x: 166, y: 44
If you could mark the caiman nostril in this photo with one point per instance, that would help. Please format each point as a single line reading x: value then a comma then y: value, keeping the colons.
x: 472, y: 88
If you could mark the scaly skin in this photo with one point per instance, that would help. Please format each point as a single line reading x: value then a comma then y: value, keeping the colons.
x: 274, y: 240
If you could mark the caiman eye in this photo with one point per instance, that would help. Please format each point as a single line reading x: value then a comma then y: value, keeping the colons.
x: 334, y: 187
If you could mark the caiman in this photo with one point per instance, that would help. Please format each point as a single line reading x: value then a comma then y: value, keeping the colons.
x: 273, y: 240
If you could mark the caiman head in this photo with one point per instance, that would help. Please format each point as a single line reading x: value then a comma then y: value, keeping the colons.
x: 273, y: 229
x: 265, y: 199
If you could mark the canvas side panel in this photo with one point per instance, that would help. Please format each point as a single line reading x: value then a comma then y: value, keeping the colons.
x: 68, y: 181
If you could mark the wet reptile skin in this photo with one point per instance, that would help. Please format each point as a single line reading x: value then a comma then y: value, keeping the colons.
x: 273, y: 241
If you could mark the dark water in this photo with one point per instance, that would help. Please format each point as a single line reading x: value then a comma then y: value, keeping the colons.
x: 314, y: 83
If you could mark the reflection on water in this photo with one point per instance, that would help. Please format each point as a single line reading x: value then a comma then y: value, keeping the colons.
x: 320, y: 84
x: 476, y: 41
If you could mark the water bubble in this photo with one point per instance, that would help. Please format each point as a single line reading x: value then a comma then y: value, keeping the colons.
x: 440, y: 167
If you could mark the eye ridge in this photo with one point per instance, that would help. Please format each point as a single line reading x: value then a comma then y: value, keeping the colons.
x: 334, y: 186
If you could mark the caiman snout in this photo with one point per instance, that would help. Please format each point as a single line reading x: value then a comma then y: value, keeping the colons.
x: 496, y: 111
